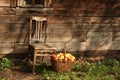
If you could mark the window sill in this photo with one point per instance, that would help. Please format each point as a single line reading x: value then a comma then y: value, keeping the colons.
x: 35, y: 8
x: 31, y: 6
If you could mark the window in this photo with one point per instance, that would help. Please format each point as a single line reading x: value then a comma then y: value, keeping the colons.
x: 34, y: 3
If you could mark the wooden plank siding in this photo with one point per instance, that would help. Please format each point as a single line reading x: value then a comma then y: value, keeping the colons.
x: 79, y: 25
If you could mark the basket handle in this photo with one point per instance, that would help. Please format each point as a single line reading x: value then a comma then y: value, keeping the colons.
x: 64, y: 52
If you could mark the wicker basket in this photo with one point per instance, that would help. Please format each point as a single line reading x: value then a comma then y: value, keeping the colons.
x: 61, y: 66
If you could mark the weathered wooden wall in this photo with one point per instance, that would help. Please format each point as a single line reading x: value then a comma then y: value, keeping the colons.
x: 79, y: 25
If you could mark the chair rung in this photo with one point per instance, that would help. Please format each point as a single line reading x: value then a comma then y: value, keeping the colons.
x: 42, y: 54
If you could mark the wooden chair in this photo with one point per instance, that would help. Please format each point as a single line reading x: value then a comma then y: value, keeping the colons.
x: 37, y: 39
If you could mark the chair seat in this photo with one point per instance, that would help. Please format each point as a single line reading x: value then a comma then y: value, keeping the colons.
x: 42, y: 46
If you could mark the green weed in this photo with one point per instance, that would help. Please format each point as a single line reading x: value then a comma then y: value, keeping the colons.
x: 100, y: 70
x: 5, y: 63
x: 3, y: 79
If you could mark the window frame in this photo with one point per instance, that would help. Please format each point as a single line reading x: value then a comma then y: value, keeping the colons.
x: 13, y: 3
x: 20, y: 3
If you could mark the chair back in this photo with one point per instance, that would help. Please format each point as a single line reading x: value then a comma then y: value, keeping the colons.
x: 37, y: 30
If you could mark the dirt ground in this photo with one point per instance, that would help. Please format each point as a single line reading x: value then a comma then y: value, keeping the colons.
x: 18, y: 71
x: 16, y: 75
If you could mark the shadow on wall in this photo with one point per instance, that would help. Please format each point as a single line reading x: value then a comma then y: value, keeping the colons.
x: 101, y: 15
x: 92, y: 14
x: 107, y: 12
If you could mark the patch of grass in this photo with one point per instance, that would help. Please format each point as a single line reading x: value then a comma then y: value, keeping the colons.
x: 100, y: 70
x: 3, y: 79
x: 5, y: 63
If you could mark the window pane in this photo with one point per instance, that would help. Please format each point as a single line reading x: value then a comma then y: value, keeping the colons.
x: 35, y: 2
x: 28, y: 1
x: 39, y: 2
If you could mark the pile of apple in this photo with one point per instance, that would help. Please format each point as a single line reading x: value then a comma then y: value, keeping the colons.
x: 63, y: 57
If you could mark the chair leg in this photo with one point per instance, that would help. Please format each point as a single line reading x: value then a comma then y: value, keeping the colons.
x: 34, y: 61
x: 43, y: 57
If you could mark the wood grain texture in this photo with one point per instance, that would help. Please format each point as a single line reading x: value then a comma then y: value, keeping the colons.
x: 76, y: 24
